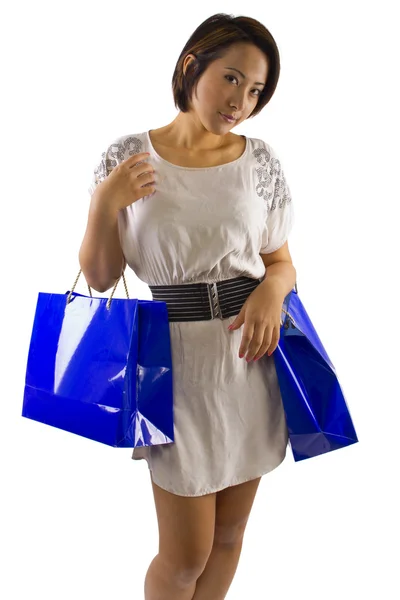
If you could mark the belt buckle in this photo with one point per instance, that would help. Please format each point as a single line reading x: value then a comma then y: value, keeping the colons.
x: 214, y: 300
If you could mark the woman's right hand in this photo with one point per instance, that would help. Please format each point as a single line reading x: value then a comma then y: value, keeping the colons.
x: 128, y: 182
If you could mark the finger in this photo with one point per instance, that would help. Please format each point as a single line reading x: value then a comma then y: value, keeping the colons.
x: 274, y: 342
x: 267, y: 343
x: 137, y: 157
x: 261, y: 336
x: 247, y: 336
x: 263, y: 349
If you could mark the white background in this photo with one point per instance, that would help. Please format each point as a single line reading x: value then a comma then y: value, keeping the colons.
x: 77, y: 517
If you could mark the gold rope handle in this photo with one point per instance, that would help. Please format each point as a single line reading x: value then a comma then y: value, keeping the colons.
x: 90, y: 291
x: 288, y: 314
x: 290, y: 317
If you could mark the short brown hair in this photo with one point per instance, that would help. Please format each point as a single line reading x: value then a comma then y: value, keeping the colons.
x: 210, y: 41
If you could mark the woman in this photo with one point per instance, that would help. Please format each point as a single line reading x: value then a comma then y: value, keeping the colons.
x: 203, y: 218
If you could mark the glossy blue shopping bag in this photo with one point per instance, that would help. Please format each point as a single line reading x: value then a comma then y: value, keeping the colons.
x: 101, y: 368
x: 317, y: 415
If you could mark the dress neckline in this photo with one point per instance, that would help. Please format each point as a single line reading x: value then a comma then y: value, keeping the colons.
x: 232, y: 162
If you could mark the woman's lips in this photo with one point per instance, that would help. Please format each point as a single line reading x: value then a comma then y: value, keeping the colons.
x: 227, y: 119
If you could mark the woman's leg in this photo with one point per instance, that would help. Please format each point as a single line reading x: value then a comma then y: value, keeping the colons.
x: 186, y: 532
x: 233, y: 506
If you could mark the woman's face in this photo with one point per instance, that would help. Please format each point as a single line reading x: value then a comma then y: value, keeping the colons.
x: 222, y: 89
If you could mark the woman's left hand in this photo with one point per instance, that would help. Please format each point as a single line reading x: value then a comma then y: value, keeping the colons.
x: 261, y: 315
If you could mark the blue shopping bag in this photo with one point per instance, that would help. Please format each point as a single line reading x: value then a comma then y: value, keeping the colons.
x: 101, y: 368
x: 317, y: 415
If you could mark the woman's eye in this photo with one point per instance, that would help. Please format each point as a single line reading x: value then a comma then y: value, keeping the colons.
x: 232, y: 76
x: 255, y: 89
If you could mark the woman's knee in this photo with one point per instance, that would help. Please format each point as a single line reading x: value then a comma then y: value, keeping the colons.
x: 186, y: 570
x: 186, y: 532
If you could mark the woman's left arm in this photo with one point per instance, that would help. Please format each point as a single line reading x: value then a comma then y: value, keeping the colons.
x: 261, y: 313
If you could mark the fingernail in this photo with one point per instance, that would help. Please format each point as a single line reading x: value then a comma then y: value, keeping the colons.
x: 241, y: 355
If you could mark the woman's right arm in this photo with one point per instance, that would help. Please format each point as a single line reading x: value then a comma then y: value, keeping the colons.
x: 100, y: 256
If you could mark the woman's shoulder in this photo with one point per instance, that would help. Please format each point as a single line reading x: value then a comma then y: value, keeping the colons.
x: 259, y: 143
x: 116, y: 151
x: 261, y: 152
x: 125, y: 146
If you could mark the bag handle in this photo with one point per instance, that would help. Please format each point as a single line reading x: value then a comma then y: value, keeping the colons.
x: 286, y: 312
x: 90, y: 291
x: 289, y: 316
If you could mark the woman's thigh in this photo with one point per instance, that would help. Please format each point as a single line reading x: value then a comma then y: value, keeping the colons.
x: 233, y: 507
x: 186, y: 530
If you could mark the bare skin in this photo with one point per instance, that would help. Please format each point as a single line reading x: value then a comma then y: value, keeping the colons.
x: 200, y: 538
x: 232, y: 149
x: 200, y: 541
x: 219, y: 90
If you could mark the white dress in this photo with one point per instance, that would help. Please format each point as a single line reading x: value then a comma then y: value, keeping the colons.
x: 208, y: 225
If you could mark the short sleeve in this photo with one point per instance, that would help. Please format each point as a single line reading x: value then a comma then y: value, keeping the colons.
x: 114, y: 154
x: 279, y: 218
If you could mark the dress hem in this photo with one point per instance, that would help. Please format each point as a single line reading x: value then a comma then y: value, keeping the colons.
x: 222, y: 487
